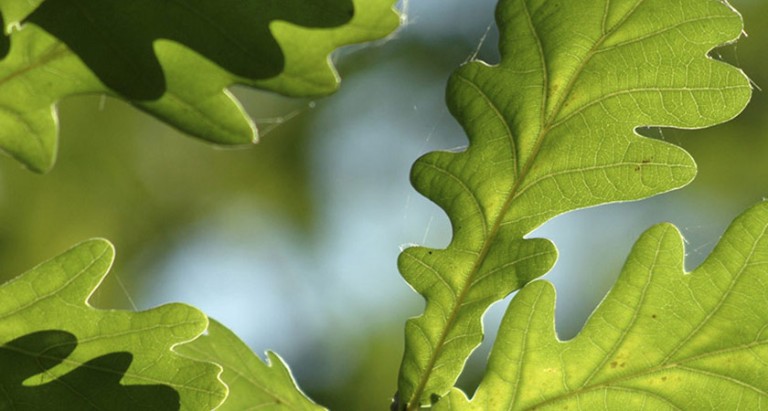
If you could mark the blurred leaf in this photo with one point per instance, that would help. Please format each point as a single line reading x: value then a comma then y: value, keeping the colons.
x: 252, y: 383
x: 134, y: 188
x: 661, y: 339
x: 143, y: 55
x: 551, y: 130
x: 15, y: 11
x: 45, y: 322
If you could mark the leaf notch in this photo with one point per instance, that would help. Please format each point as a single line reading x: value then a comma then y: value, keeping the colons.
x: 551, y: 129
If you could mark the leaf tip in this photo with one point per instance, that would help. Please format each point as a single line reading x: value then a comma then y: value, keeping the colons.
x: 36, y: 159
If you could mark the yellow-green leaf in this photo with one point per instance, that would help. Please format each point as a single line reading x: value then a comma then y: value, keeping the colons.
x: 59, y: 353
x: 253, y: 384
x: 174, y: 60
x: 662, y: 339
x: 552, y: 129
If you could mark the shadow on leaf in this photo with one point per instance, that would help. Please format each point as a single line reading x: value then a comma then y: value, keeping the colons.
x: 115, y: 37
x: 95, y: 385
x: 5, y: 41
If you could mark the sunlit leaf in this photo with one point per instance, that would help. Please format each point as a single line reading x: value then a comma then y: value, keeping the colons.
x: 551, y: 129
x: 662, y: 339
x: 252, y: 383
x: 172, y: 59
x: 57, y: 352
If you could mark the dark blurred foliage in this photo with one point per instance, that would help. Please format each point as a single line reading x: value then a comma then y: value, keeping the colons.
x: 126, y: 177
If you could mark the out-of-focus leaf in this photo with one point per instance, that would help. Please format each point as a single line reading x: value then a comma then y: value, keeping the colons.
x: 172, y: 59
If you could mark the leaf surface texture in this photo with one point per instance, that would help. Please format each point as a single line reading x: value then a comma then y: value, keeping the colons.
x: 59, y: 353
x: 662, y: 339
x: 551, y: 129
x: 252, y: 383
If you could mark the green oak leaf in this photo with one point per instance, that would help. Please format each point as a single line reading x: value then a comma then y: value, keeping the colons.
x: 97, y: 381
x: 551, y: 129
x: 662, y: 339
x: 174, y: 60
x: 252, y: 383
x: 62, y: 346
x: 14, y: 12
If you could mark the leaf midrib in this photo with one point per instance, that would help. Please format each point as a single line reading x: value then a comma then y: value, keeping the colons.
x: 55, y: 51
x: 414, y: 402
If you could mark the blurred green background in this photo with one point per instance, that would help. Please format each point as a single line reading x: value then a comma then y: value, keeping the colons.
x: 293, y: 242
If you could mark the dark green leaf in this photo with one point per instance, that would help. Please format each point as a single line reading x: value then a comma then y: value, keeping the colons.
x: 174, y: 60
